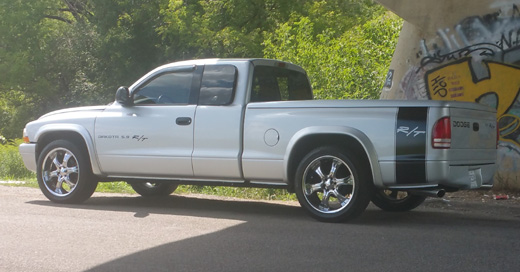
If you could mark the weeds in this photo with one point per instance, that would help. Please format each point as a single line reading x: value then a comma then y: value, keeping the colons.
x: 238, y: 192
x: 506, y: 182
x: 11, y: 164
x: 13, y: 168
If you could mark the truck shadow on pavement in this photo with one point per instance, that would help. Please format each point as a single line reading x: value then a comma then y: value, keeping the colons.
x: 246, y: 210
x: 282, y: 237
x: 186, y: 206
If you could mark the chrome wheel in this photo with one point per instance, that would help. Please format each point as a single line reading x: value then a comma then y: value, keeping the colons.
x: 332, y: 185
x: 394, y: 195
x: 60, y: 173
x: 64, y: 173
x: 396, y: 201
x: 151, y: 189
x: 328, y: 184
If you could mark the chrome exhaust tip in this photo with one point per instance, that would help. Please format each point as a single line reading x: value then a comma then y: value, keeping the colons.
x: 426, y: 192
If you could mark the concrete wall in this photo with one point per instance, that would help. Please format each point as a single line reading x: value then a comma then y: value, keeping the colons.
x: 463, y: 50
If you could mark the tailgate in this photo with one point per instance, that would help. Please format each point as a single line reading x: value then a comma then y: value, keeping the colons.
x: 473, y: 129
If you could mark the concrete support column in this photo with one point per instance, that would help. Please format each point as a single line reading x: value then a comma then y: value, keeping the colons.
x: 465, y: 50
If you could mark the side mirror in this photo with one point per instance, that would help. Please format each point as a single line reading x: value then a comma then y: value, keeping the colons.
x: 123, y: 96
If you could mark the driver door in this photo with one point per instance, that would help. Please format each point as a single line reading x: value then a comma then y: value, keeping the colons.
x: 154, y: 137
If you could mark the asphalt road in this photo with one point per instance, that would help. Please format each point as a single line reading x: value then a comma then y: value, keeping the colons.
x: 113, y: 232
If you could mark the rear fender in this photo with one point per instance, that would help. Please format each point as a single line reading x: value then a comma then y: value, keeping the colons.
x: 353, y: 133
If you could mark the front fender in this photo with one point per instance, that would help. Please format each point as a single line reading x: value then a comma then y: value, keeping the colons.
x: 78, y: 129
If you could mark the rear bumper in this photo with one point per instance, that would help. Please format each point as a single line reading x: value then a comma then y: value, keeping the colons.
x: 473, y: 175
x: 28, y: 153
x: 462, y: 177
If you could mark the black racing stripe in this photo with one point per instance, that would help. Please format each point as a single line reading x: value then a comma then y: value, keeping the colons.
x: 410, y: 145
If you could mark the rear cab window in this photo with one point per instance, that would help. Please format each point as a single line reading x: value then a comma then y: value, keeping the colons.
x: 279, y: 84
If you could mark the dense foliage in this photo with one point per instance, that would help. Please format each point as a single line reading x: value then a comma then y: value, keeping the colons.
x: 348, y: 65
x: 63, y: 53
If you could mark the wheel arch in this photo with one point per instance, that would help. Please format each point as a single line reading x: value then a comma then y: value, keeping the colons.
x: 348, y: 138
x: 72, y: 132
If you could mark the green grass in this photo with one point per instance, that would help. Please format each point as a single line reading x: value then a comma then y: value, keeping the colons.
x: 13, y: 169
x: 115, y: 187
x: 11, y: 164
x: 238, y: 192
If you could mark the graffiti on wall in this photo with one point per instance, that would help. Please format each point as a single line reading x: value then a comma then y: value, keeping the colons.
x: 494, y: 36
x: 457, y: 81
x: 476, y: 60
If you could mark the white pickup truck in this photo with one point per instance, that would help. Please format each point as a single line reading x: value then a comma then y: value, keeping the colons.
x: 252, y: 122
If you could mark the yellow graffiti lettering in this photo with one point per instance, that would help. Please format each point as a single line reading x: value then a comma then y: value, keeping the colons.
x: 457, y: 81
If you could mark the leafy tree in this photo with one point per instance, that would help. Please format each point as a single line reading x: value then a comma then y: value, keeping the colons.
x: 350, y: 66
x: 129, y: 44
x: 63, y: 53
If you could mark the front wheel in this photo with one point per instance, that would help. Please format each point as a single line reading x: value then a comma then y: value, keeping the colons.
x: 64, y: 173
x: 151, y: 189
x: 396, y: 201
x: 333, y: 186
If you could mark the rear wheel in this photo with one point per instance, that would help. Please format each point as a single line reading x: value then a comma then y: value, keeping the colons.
x: 332, y: 186
x: 64, y: 173
x: 396, y: 201
x: 151, y: 189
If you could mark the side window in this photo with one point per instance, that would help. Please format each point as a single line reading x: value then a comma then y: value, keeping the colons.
x: 168, y: 88
x: 218, y: 85
x: 279, y: 84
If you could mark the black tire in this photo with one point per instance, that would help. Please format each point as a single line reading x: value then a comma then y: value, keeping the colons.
x: 151, y: 189
x: 333, y: 195
x: 396, y: 201
x: 64, y: 173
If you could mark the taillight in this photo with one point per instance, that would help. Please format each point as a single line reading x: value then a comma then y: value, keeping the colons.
x: 441, y: 135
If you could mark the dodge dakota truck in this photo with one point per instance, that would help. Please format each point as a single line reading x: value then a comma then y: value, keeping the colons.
x: 254, y: 123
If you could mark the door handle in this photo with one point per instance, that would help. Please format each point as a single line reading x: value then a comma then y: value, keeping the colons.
x: 183, y: 121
